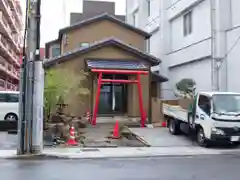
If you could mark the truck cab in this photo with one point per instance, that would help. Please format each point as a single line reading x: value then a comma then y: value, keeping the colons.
x: 215, y: 116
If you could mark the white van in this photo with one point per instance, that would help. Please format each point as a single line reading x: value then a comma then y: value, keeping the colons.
x: 9, y: 103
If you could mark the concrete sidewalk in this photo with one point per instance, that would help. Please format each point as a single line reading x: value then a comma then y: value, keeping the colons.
x: 160, y: 137
x: 123, y: 152
x: 8, y: 153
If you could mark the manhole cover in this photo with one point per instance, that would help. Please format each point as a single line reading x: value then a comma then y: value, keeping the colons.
x: 89, y: 150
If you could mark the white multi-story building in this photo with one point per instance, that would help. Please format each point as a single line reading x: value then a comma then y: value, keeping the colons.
x: 193, y: 38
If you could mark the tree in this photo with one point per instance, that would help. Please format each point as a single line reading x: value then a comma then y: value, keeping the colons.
x: 59, y: 84
x: 185, y: 88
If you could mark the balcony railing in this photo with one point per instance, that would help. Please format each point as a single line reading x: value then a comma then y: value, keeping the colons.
x: 2, y: 63
x: 5, y: 24
x: 7, y: 7
x: 18, y: 5
x: 15, y: 38
x: 2, y: 84
x: 4, y: 45
x: 4, y: 42
x: 9, y: 33
x: 9, y: 69
x: 7, y: 86
x: 9, y: 11
x: 15, y: 11
x: 12, y: 25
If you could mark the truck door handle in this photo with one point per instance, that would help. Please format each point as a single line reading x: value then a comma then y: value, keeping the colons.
x: 197, y: 116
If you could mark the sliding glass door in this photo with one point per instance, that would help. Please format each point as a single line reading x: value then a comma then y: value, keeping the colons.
x: 113, y: 96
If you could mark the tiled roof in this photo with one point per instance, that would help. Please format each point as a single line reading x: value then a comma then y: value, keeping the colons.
x: 102, y: 17
x: 116, y: 64
x: 109, y: 41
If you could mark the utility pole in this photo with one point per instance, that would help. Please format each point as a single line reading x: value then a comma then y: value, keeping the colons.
x: 32, y: 90
x: 22, y: 123
x: 38, y: 89
x: 23, y: 130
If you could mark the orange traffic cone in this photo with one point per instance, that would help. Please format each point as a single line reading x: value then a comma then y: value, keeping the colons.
x: 88, y: 116
x: 116, y: 133
x: 164, y: 124
x: 72, y: 140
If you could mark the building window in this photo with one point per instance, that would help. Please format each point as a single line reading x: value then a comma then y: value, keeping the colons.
x: 187, y: 23
x: 84, y: 44
x: 2, y: 84
x: 3, y: 97
x: 55, y: 51
x: 12, y: 98
x: 9, y: 97
x: 204, y: 104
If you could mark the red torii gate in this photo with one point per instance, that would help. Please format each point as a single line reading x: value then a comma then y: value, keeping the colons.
x: 112, y: 71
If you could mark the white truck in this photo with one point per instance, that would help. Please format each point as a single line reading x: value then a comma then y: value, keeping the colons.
x: 212, y: 117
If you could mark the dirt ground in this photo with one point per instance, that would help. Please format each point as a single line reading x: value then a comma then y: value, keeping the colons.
x: 98, y: 135
x: 101, y: 137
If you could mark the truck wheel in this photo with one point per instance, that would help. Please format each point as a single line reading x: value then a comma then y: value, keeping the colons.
x: 201, y: 140
x: 174, y: 127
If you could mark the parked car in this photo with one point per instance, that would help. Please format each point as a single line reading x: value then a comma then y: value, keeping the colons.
x: 9, y: 103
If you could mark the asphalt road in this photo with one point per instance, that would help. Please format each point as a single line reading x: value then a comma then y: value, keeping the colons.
x: 185, y: 168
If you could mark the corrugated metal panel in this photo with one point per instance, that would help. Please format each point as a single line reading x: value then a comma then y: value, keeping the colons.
x: 115, y: 64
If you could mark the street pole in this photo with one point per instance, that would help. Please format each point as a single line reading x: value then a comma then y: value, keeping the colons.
x: 35, y: 81
x: 21, y: 148
x: 31, y: 48
x: 30, y: 126
x: 22, y: 123
x: 38, y: 89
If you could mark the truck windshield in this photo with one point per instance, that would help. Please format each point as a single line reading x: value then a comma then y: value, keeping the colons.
x: 226, y: 104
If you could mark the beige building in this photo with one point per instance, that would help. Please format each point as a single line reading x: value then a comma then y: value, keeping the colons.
x: 107, y: 47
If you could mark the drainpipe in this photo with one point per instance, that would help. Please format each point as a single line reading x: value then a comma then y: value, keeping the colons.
x: 220, y: 22
x: 214, y: 70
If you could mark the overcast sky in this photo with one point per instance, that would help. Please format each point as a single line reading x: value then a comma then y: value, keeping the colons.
x: 54, y: 18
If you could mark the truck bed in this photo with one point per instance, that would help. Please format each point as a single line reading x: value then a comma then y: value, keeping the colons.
x: 175, y: 111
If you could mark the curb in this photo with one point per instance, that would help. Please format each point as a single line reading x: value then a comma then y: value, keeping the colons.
x: 32, y: 157
x: 51, y: 156
x: 12, y: 132
x: 120, y: 157
x: 138, y: 137
x: 71, y: 157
